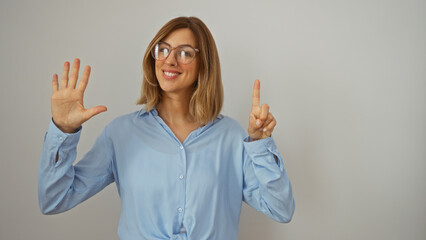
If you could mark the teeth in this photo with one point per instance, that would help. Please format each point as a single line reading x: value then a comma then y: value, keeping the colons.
x: 171, y: 74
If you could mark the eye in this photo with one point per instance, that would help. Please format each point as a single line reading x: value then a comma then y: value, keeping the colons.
x: 186, y: 54
x: 164, y: 50
x: 189, y: 54
x: 161, y: 51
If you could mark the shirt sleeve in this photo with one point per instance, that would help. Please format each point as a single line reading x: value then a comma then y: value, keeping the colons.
x: 61, y: 185
x: 266, y: 185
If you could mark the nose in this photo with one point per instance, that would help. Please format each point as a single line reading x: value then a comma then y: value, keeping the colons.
x: 171, y: 59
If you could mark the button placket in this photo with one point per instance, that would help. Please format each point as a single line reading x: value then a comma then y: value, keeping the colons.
x: 182, y: 183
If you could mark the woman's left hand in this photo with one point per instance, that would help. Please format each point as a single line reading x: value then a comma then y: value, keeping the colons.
x: 261, y: 121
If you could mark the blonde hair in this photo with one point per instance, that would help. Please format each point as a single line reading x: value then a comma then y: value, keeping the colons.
x: 207, y: 98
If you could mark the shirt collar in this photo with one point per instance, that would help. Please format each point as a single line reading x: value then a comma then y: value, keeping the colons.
x: 144, y: 112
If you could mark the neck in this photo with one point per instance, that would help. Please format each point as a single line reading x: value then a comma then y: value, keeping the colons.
x: 175, y: 109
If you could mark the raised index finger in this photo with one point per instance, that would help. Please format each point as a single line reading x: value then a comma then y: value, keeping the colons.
x: 256, y: 94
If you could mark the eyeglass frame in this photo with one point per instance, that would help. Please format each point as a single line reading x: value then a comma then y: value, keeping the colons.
x: 173, y: 50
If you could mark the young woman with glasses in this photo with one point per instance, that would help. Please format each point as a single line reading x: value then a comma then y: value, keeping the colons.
x: 181, y: 168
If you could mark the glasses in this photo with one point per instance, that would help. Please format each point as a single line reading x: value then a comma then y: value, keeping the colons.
x: 184, y: 54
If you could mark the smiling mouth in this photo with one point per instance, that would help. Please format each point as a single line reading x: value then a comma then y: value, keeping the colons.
x: 170, y: 75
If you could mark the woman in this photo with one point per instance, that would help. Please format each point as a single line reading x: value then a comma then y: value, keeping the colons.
x: 182, y: 170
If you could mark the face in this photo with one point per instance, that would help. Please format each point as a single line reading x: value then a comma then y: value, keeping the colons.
x: 174, y: 77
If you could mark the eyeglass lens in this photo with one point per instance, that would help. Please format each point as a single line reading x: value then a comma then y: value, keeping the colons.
x: 183, y: 54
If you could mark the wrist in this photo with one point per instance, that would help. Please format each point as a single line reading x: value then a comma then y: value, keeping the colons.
x: 69, y: 130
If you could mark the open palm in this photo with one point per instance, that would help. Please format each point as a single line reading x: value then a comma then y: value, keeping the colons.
x: 68, y: 110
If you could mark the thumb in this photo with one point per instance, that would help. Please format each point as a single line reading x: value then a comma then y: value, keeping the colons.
x: 94, y: 111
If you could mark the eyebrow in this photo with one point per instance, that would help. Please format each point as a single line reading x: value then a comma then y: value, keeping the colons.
x: 183, y: 45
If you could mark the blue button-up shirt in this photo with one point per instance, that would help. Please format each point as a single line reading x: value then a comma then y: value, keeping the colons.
x: 168, y: 189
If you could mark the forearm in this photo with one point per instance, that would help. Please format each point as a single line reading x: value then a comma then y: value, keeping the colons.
x: 56, y: 173
x: 267, y: 185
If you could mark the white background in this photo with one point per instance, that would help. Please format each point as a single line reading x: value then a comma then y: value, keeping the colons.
x: 346, y: 81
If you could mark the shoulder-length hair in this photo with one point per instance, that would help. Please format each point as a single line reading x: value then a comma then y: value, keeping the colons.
x: 207, y: 98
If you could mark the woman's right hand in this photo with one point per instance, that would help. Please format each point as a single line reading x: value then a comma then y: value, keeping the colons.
x: 68, y: 111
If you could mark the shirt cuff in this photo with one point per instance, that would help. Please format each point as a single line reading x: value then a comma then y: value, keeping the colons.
x: 61, y: 142
x: 56, y: 133
x: 263, y: 149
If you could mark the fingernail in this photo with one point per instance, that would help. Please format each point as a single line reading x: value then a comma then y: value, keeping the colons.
x: 264, y: 130
x: 258, y: 123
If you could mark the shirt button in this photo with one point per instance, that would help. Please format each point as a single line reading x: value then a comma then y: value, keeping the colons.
x: 181, y: 147
x: 180, y: 210
x: 181, y: 177
x: 60, y: 138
